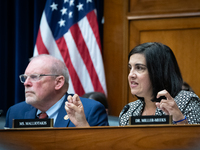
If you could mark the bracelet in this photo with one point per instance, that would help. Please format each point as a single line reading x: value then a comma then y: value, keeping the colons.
x: 175, y: 122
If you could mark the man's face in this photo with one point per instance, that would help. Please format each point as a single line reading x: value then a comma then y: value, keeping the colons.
x: 38, y: 93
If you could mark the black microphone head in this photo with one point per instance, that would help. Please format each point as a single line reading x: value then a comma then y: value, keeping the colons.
x: 126, y: 107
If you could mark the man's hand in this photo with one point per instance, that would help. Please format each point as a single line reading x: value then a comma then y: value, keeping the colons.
x: 75, y: 111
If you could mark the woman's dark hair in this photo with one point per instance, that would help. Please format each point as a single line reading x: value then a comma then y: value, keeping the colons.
x: 162, y: 66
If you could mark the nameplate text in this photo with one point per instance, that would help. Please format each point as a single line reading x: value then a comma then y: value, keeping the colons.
x: 144, y: 120
x: 32, y: 123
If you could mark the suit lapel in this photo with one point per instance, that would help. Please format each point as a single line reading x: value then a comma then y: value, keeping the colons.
x: 31, y: 114
x: 60, y: 121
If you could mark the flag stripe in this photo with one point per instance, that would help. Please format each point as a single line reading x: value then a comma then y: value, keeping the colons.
x: 74, y: 77
x: 92, y: 19
x: 78, y: 63
x: 83, y: 50
x: 40, y: 45
x: 94, y: 50
x: 48, y: 38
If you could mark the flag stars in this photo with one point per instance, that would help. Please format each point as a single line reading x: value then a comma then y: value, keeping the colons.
x: 64, y: 10
x: 61, y: 22
x: 66, y: 1
x: 71, y: 2
x: 54, y: 6
x: 70, y: 14
x: 80, y: 6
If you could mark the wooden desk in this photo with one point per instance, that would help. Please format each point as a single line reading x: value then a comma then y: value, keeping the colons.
x: 103, y: 138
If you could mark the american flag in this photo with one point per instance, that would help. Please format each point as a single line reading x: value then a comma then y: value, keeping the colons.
x: 69, y: 31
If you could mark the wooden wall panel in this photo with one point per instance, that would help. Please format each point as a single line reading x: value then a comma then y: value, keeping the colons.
x: 114, y: 54
x: 141, y: 7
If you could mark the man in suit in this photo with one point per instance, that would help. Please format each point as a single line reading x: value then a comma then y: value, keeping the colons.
x: 46, y: 84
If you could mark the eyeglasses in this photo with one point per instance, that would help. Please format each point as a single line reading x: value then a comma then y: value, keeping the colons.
x: 33, y: 77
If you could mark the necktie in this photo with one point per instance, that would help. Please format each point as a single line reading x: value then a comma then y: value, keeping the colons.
x: 43, y: 115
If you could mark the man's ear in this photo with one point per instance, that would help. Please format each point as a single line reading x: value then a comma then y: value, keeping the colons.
x: 59, y: 82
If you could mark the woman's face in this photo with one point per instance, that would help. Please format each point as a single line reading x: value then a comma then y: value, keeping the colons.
x: 138, y: 77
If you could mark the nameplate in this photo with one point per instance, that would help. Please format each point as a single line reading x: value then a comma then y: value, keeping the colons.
x: 144, y: 120
x: 32, y: 123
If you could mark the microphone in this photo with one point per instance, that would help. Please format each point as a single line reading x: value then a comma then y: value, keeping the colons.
x: 125, y: 109
x: 1, y: 112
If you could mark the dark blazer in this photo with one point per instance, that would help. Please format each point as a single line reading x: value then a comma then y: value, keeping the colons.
x: 94, y: 111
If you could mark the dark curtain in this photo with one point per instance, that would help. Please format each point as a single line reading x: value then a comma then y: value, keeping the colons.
x: 19, y: 25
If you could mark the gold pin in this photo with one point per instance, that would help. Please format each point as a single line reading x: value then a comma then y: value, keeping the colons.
x: 66, y: 117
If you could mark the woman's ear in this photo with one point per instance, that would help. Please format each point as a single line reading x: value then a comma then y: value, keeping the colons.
x: 59, y: 82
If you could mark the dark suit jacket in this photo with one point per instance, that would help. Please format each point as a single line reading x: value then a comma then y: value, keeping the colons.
x: 94, y: 111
